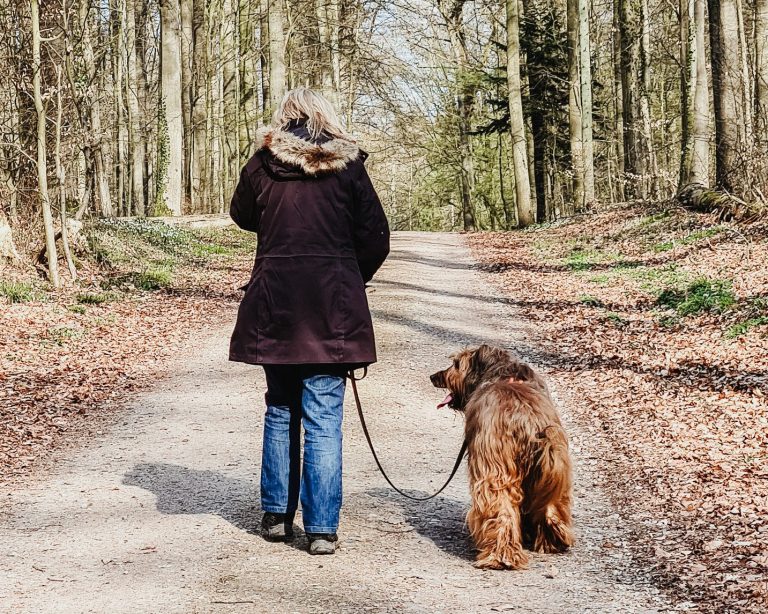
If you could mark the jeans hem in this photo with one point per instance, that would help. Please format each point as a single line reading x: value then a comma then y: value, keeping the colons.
x: 320, y: 530
x: 274, y: 509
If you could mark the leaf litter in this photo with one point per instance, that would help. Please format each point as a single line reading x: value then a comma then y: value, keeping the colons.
x: 674, y: 400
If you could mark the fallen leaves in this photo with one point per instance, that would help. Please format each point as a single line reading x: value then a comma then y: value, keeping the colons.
x: 62, y: 370
x: 676, y: 410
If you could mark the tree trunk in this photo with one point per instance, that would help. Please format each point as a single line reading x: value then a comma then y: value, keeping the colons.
x: 264, y: 45
x: 249, y: 91
x: 585, y: 74
x: 172, y: 106
x: 618, y: 121
x: 732, y: 146
x: 575, y: 105
x: 61, y: 181
x: 694, y: 165
x: 199, y: 154
x: 187, y: 67
x: 277, y: 82
x: 99, y: 145
x: 637, y: 165
x: 7, y: 247
x: 325, y: 56
x: 136, y: 140
x: 229, y: 57
x: 120, y: 62
x: 761, y: 72
x: 42, y: 156
x: 526, y: 213
x: 465, y: 101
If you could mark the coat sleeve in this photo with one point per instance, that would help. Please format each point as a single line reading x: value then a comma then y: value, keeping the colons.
x: 370, y: 227
x: 243, y: 208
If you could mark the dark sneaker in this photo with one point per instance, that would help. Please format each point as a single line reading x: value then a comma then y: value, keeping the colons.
x: 320, y: 543
x: 277, y: 527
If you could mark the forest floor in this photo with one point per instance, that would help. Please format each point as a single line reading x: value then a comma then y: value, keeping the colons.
x: 65, y: 357
x: 656, y: 323
x: 156, y: 510
x: 137, y: 481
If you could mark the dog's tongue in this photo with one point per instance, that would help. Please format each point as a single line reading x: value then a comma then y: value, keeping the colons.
x: 445, y: 401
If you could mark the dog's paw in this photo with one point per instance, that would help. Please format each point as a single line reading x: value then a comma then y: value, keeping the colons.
x: 513, y: 559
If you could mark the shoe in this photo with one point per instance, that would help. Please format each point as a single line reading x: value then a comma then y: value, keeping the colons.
x: 277, y: 527
x: 322, y: 543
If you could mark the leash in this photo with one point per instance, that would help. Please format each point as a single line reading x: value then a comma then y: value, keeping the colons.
x: 462, y: 452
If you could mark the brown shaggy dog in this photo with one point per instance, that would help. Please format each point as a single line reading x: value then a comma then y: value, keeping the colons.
x: 519, y: 468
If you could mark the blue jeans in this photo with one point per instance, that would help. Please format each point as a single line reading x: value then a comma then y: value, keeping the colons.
x: 313, y: 395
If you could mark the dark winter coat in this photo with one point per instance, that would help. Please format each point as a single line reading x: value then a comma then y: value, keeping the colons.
x: 322, y: 234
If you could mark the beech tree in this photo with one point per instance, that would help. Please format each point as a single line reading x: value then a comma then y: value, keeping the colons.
x: 526, y: 213
x: 477, y: 115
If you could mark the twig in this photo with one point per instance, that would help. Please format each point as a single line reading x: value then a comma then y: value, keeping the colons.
x: 230, y: 602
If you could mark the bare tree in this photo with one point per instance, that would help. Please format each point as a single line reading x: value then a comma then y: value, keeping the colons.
x: 172, y: 105
x: 42, y: 156
x: 526, y: 212
x: 694, y: 166
x: 277, y: 74
x: 761, y: 72
x: 729, y: 93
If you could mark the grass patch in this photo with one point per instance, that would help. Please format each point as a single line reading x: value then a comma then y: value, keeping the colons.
x: 662, y: 247
x: 591, y: 301
x: 79, y: 309
x: 16, y: 291
x: 61, y: 334
x: 585, y: 259
x: 655, y: 218
x: 94, y: 298
x: 615, y: 318
x: 153, y: 279
x: 701, y: 296
x: 742, y: 328
x: 132, y: 244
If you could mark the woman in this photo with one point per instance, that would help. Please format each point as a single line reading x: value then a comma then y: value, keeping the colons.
x: 322, y: 234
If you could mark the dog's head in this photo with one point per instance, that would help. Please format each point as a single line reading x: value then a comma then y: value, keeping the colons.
x: 470, y: 368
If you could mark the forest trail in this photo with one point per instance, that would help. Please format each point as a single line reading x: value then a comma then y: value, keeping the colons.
x: 159, y: 515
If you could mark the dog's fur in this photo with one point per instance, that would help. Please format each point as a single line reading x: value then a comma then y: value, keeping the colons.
x: 519, y: 467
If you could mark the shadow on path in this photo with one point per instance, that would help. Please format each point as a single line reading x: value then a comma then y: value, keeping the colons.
x: 440, y: 520
x: 180, y: 490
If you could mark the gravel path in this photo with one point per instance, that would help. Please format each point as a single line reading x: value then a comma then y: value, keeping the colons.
x: 159, y: 514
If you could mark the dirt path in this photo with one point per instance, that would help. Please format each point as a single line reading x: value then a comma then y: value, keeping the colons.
x: 159, y: 514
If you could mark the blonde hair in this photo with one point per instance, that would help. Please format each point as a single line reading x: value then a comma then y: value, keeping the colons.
x: 303, y: 103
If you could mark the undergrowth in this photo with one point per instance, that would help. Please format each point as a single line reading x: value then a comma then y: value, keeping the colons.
x: 703, y: 295
x: 16, y: 291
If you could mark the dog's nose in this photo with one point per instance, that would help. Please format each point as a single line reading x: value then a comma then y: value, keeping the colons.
x: 436, y: 379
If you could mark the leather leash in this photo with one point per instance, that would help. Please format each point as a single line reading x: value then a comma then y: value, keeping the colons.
x: 462, y: 452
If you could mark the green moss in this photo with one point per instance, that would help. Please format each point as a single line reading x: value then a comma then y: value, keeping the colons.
x: 79, y: 309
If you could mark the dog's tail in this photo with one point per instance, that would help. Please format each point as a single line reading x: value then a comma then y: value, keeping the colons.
x: 550, y: 491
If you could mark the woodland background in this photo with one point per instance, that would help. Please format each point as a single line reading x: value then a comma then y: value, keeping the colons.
x: 480, y: 115
x: 626, y: 138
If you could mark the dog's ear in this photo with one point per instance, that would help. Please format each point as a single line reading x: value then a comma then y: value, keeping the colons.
x: 481, y: 358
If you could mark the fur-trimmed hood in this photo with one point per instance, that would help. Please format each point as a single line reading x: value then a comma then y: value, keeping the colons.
x: 313, y: 158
